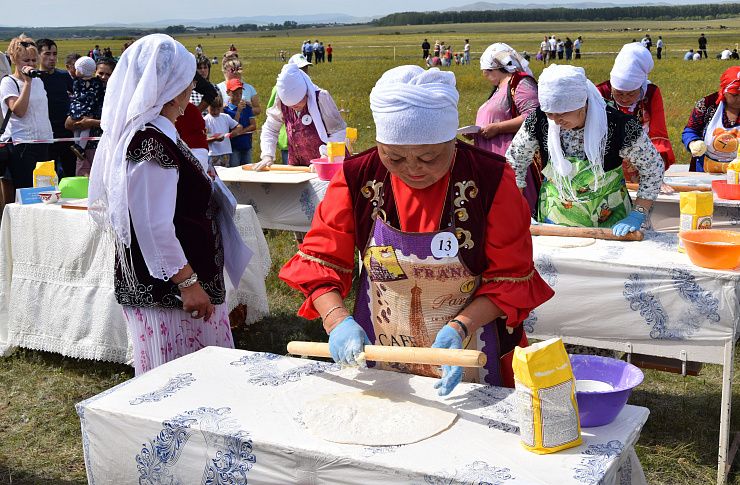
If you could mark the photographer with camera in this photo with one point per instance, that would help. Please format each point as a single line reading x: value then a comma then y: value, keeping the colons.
x: 23, y: 93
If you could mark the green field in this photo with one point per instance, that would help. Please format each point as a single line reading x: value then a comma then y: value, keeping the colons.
x: 39, y: 430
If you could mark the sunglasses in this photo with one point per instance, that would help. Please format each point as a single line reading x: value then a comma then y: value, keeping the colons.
x: 27, y: 44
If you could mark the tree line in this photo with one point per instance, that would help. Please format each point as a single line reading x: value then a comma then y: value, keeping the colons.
x: 656, y: 12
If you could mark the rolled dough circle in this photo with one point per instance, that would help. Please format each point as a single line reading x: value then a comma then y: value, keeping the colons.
x: 565, y: 242
x: 375, y: 418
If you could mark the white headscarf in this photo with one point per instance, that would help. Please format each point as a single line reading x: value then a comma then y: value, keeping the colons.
x: 413, y: 106
x: 503, y: 56
x: 562, y: 89
x: 292, y: 86
x: 150, y: 73
x: 631, y: 68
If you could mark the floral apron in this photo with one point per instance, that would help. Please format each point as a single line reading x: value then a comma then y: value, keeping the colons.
x: 412, y: 285
x: 603, y: 207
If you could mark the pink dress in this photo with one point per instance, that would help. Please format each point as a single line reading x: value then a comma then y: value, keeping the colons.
x: 498, y: 108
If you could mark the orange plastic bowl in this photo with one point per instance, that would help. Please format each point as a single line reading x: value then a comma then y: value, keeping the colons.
x: 725, y: 190
x: 712, y: 248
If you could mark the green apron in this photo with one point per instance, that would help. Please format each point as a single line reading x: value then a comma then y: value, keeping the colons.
x: 601, y: 208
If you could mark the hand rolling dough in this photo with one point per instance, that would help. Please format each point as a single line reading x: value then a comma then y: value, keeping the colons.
x: 375, y: 418
x: 565, y: 242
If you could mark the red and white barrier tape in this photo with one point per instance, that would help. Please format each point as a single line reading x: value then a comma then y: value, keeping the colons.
x: 53, y: 140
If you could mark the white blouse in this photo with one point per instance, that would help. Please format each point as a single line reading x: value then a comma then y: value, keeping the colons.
x: 35, y: 124
x: 152, y: 195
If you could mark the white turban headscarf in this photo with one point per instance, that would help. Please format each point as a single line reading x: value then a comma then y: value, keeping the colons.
x: 562, y: 89
x: 503, y: 56
x: 631, y: 68
x: 150, y: 73
x: 292, y: 86
x: 414, y: 106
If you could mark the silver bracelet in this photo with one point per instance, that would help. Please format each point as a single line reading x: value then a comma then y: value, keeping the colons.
x: 190, y: 281
x: 332, y: 311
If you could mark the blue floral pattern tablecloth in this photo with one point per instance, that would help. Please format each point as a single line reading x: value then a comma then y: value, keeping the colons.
x: 233, y: 416
x: 634, y: 292
x: 285, y: 206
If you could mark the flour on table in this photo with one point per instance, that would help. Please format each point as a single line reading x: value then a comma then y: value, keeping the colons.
x: 375, y: 418
x: 565, y: 242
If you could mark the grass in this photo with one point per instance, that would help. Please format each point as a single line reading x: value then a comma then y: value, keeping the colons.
x: 39, y: 429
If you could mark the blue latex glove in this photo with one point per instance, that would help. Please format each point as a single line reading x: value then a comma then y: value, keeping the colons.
x: 346, y: 341
x: 631, y: 223
x: 448, y: 338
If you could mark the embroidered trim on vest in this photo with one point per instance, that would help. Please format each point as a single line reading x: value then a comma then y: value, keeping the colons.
x: 466, y: 237
x: 461, y: 197
x: 373, y: 190
x: 509, y: 278
x: 151, y: 149
x: 324, y: 263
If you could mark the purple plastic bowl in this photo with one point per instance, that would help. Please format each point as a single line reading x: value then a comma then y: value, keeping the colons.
x: 597, y: 408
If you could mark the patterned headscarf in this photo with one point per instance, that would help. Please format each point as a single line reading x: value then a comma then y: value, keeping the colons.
x: 729, y: 82
x: 503, y: 56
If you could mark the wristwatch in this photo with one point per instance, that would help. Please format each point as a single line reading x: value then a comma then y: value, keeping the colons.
x: 640, y: 209
x: 190, y: 281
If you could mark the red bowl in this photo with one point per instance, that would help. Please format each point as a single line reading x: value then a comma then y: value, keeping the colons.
x: 725, y: 190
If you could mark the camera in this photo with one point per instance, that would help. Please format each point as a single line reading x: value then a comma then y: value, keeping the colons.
x: 32, y: 72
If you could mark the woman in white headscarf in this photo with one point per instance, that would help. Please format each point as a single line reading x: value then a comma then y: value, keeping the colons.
x: 582, y: 143
x: 513, y: 97
x: 629, y: 90
x: 310, y: 115
x: 443, y: 233
x: 169, y: 222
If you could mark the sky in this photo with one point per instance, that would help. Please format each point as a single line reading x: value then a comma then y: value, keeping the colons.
x: 56, y: 13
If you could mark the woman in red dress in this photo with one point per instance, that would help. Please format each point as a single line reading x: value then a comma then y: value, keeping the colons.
x: 443, y: 233
x: 629, y: 90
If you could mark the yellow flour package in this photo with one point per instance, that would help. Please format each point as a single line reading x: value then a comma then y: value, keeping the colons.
x: 44, y: 175
x: 546, y: 400
x: 696, y: 212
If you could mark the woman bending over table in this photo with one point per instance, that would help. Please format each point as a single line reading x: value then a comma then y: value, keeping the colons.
x: 582, y: 143
x: 443, y: 233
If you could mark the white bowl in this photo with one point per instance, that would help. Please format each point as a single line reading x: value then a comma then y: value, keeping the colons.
x: 50, y: 197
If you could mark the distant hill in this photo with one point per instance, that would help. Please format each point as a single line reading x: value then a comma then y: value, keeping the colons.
x: 483, y: 6
x: 322, y: 18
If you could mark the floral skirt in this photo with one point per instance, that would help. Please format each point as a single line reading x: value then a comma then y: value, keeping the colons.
x: 160, y: 335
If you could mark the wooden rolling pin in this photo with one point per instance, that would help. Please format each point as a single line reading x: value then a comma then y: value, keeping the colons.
x: 279, y: 168
x: 593, y: 232
x: 677, y: 188
x: 404, y: 355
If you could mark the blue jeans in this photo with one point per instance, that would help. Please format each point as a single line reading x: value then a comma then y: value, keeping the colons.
x: 240, y: 157
x: 284, y: 156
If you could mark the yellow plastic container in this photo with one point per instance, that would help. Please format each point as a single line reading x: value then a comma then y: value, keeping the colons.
x: 696, y: 212
x: 733, y: 172
x: 335, y: 151
x: 351, y: 135
x: 44, y: 175
x: 545, y: 391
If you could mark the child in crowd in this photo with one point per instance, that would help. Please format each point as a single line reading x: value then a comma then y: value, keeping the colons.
x: 88, y: 92
x: 218, y: 124
x: 240, y: 111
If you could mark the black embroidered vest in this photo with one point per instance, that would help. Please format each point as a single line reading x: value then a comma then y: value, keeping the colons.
x: 473, y: 184
x: 195, y: 227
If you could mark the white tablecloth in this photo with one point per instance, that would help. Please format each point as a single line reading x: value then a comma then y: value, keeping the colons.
x: 233, y: 416
x: 634, y: 292
x: 56, y: 282
x: 289, y: 207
